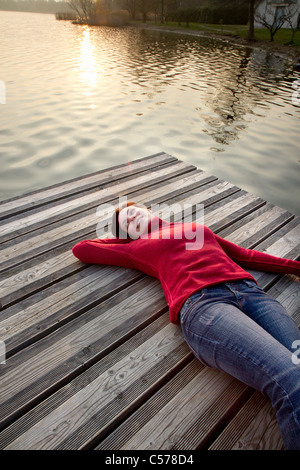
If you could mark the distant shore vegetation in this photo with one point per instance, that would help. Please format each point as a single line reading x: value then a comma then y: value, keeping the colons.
x: 99, y: 12
x: 36, y: 6
x: 230, y: 18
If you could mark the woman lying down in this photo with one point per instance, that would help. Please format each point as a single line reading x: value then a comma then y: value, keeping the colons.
x: 229, y: 322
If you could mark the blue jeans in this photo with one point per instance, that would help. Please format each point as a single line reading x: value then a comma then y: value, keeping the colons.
x: 237, y: 328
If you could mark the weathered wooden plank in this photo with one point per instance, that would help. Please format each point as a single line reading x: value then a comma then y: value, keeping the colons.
x: 119, y: 436
x: 268, y: 219
x: 15, y: 286
x: 175, y: 421
x: 158, y: 195
x: 259, y: 420
x: 253, y: 428
x: 62, y: 231
x: 221, y: 215
x: 25, y: 280
x: 45, y: 215
x: 285, y: 240
x: 50, y: 359
x: 146, y: 433
x: 284, y: 243
x: 95, y: 356
x: 42, y: 367
x: 210, y: 195
x: 262, y: 433
x: 60, y: 190
x: 47, y: 310
x: 183, y: 419
x: 12, y: 284
x: 43, y: 305
x: 287, y: 292
x: 99, y: 395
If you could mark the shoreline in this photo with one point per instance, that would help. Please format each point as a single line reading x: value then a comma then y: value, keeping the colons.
x: 278, y: 49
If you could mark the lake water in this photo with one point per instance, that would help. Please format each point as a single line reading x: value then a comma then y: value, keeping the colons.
x: 80, y: 99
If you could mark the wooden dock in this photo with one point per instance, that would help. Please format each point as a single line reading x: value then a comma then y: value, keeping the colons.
x: 92, y: 360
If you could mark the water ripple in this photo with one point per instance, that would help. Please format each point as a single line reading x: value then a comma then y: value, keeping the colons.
x: 80, y: 99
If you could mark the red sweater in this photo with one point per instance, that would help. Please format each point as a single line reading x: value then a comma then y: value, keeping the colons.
x: 163, y: 253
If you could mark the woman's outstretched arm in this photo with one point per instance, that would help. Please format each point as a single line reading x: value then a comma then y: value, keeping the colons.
x: 107, y: 251
x: 253, y: 259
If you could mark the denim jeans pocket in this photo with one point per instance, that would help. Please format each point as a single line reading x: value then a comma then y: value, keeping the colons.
x: 252, y: 284
x: 190, y: 303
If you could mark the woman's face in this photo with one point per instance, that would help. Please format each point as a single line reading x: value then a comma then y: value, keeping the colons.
x: 135, y: 220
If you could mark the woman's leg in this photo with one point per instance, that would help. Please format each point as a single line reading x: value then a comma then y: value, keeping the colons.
x: 266, y: 312
x: 224, y: 337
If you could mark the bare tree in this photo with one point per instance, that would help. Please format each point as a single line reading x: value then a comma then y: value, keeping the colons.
x: 251, y: 8
x: 250, y: 36
x: 144, y: 8
x: 75, y: 5
x: 131, y: 7
x: 272, y: 18
x: 292, y: 19
x: 137, y: 7
x: 85, y: 9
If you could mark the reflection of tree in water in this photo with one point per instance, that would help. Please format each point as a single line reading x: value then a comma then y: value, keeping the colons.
x: 231, y: 83
x: 155, y: 58
x: 243, y: 91
x: 231, y: 102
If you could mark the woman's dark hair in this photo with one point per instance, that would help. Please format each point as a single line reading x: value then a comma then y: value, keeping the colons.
x: 115, y: 227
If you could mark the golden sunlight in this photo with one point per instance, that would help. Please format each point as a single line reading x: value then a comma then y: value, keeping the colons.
x: 88, y: 72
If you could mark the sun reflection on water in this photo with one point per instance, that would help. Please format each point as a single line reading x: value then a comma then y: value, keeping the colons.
x: 87, y: 63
